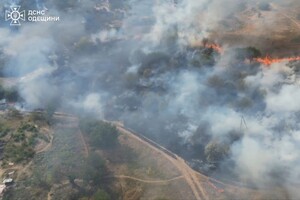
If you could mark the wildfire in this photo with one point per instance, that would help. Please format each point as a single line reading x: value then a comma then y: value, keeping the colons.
x: 206, y: 44
x: 268, y: 60
x: 215, y: 47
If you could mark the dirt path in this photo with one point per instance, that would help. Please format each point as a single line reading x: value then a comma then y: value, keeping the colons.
x: 86, y: 149
x: 276, y: 8
x: 48, y: 146
x: 147, y: 181
x: 187, y: 173
x: 291, y: 19
x: 191, y: 177
x: 76, y: 121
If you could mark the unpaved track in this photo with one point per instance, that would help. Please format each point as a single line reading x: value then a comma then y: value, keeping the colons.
x: 76, y: 120
x: 291, y: 19
x: 277, y: 8
x: 48, y: 146
x: 147, y: 181
x: 192, y: 177
x: 86, y: 149
x: 188, y: 173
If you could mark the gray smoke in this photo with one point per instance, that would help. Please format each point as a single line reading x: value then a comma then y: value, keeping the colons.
x: 142, y: 62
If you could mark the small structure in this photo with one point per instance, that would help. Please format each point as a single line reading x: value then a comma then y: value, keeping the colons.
x: 8, y: 181
x: 11, y: 173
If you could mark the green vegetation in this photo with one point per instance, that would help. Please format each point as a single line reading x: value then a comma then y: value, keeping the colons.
x: 18, y: 153
x: 205, y: 57
x: 216, y: 151
x: 95, y: 169
x: 44, y: 117
x: 4, y: 130
x: 101, y: 134
x: 10, y: 94
x: 247, y: 53
x: 27, y: 127
x: 37, y: 117
x: 14, y: 114
x: 20, y: 146
x: 65, y: 162
x: 101, y: 195
x: 84, y: 45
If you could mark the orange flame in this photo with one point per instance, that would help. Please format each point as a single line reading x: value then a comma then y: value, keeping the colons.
x: 206, y: 44
x: 215, y: 47
x: 215, y: 187
x: 268, y: 60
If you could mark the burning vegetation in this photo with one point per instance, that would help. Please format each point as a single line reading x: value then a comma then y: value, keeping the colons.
x: 269, y: 60
x: 161, y: 70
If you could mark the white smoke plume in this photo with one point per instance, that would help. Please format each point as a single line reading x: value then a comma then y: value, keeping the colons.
x: 143, y: 68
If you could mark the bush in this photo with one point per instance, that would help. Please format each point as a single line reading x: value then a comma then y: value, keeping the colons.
x: 247, y: 53
x: 3, y: 131
x: 18, y: 153
x: 216, y: 151
x: 38, y: 117
x: 27, y: 127
x: 95, y: 169
x: 101, y: 195
x: 12, y: 95
x: 14, y: 113
x: 84, y: 45
x: 101, y: 134
x: 18, y: 137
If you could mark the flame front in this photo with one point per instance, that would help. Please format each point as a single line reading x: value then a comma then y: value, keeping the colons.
x: 269, y: 61
x: 215, y: 47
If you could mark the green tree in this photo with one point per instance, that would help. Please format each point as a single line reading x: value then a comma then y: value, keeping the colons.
x: 216, y: 151
x: 95, y: 168
x: 101, y: 134
x: 12, y: 94
x: 101, y: 195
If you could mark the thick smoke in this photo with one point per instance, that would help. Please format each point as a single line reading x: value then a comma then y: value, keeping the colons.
x: 144, y: 63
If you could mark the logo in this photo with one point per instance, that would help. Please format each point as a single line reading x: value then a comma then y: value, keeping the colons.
x: 15, y: 15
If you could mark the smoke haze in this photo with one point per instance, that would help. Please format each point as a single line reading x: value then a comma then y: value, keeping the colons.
x: 145, y: 63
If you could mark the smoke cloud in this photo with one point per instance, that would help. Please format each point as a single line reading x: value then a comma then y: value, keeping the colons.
x: 145, y: 63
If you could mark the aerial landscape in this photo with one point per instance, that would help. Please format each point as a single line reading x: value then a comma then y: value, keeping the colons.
x: 149, y: 99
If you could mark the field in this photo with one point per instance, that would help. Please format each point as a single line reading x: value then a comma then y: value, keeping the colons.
x: 275, y: 31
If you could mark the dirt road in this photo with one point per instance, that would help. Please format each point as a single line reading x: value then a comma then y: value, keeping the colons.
x: 86, y: 148
x: 188, y: 174
x: 293, y: 20
x: 192, y: 178
x: 147, y: 181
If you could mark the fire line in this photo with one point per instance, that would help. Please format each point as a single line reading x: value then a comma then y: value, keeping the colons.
x: 268, y: 60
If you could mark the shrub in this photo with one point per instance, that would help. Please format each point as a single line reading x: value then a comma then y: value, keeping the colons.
x: 101, y: 134
x: 101, y: 195
x: 95, y: 168
x: 216, y: 151
x: 247, y: 53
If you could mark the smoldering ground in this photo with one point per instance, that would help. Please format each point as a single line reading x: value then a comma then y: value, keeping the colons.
x: 136, y: 61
